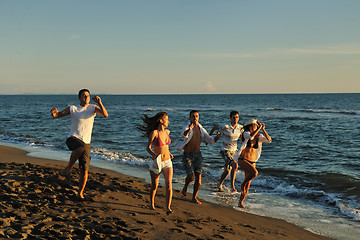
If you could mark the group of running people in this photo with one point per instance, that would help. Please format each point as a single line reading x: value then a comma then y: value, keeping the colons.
x: 193, y: 133
x: 155, y: 129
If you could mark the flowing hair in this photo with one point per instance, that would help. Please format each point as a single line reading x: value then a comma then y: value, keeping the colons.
x: 150, y: 123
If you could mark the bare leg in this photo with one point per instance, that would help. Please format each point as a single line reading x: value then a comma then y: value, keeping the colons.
x: 153, y: 188
x: 168, y: 174
x: 188, y: 180
x: 82, y: 182
x: 75, y: 155
x: 233, y: 176
x: 222, y: 179
x: 197, y: 185
x: 244, y: 194
x: 250, y: 173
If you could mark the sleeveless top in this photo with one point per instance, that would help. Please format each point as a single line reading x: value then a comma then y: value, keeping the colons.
x: 159, y: 143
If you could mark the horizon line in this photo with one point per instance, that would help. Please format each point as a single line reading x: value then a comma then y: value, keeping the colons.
x: 149, y: 94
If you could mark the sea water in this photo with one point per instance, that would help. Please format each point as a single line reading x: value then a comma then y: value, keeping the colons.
x: 309, y: 175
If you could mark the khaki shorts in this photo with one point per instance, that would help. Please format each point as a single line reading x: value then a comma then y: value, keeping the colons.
x: 74, y: 143
x: 228, y: 157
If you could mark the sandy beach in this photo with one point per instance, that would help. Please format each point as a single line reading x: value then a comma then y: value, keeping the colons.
x: 38, y: 203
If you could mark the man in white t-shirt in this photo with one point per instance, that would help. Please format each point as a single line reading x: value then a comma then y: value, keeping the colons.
x: 230, y: 134
x: 79, y: 138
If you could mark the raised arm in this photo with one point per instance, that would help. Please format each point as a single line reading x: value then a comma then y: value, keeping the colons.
x: 187, y: 130
x: 254, y: 133
x: 101, y: 110
x: 265, y: 133
x: 56, y: 114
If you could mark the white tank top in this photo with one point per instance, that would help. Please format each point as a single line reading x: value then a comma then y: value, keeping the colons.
x: 82, y: 121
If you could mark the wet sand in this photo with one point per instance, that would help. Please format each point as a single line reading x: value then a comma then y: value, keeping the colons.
x: 36, y: 202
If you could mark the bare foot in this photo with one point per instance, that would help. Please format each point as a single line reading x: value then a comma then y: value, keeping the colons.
x: 242, y: 206
x: 80, y: 197
x: 66, y: 173
x: 184, y: 191
x: 220, y: 189
x: 195, y: 200
x: 233, y: 190
x: 169, y: 211
x: 152, y: 207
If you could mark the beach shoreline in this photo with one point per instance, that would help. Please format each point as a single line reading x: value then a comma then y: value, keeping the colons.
x: 37, y: 202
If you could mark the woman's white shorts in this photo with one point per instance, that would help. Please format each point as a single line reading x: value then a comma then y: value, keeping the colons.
x: 157, y: 165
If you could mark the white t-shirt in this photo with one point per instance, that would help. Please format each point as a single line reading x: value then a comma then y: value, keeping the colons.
x: 230, y: 136
x: 82, y: 121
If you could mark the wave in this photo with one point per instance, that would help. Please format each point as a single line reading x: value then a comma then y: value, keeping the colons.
x: 22, y: 139
x: 347, y: 112
x: 121, y: 157
x: 332, y: 190
x: 275, y: 109
x: 332, y: 181
x: 328, y: 111
x: 150, y: 109
x: 349, y: 211
x: 309, y: 194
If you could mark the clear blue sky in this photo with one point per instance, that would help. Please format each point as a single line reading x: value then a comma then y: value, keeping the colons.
x: 188, y: 46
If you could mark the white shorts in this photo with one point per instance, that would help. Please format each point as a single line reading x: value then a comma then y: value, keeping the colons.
x: 158, y: 166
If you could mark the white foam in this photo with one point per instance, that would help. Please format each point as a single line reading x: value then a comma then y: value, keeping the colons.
x: 122, y: 157
x: 301, y: 213
x: 349, y: 211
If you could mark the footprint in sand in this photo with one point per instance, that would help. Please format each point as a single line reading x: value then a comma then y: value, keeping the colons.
x: 218, y: 236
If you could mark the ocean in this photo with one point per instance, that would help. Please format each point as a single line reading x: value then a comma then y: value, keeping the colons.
x: 309, y: 175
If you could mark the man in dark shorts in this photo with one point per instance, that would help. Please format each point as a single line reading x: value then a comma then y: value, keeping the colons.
x: 79, y: 139
x: 194, y: 134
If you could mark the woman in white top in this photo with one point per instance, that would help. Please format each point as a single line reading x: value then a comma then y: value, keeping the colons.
x: 252, y: 144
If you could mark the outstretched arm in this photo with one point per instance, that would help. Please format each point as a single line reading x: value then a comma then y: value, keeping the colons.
x: 218, y: 135
x: 216, y: 127
x: 209, y: 139
x: 56, y: 114
x: 101, y: 110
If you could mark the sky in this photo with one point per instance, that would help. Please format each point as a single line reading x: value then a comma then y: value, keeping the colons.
x: 179, y: 47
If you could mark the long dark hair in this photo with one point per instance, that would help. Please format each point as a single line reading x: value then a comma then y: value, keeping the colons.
x: 150, y: 123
